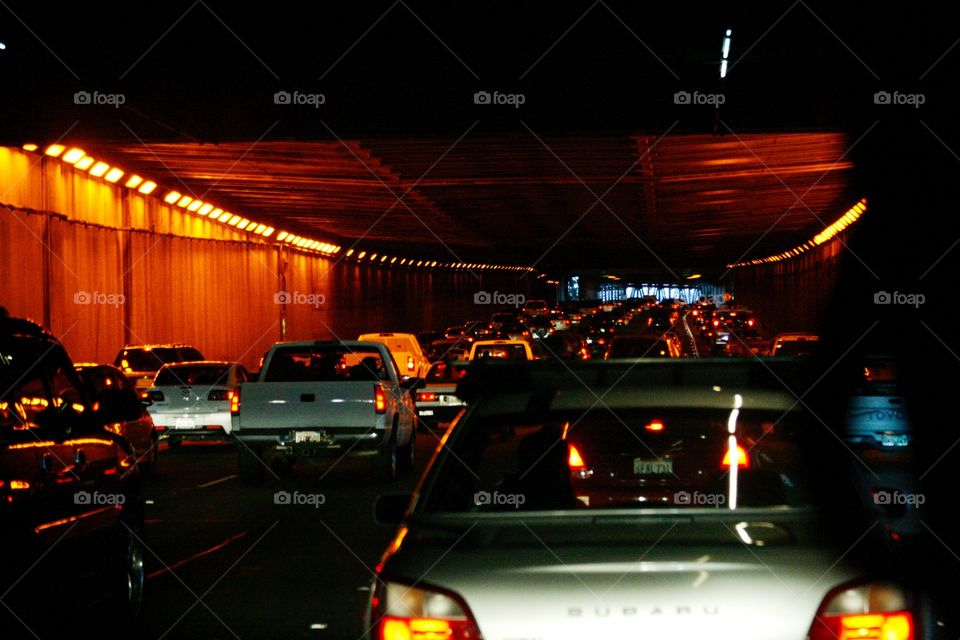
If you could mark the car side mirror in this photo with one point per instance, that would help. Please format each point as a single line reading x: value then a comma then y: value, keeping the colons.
x: 390, y: 508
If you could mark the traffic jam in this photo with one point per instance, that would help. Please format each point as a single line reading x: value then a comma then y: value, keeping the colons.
x: 406, y: 322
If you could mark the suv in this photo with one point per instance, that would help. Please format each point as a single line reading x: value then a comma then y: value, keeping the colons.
x: 405, y: 350
x: 141, y: 362
x: 62, y: 474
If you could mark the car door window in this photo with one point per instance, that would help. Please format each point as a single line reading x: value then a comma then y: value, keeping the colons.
x: 21, y: 405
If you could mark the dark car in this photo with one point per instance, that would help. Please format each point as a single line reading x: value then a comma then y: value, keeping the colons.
x: 141, y: 362
x: 137, y: 426
x: 565, y: 345
x: 643, y: 346
x: 437, y: 401
x: 71, y: 514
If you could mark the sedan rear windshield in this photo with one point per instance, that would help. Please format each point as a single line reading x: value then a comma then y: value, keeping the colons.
x: 191, y: 375
x: 624, y: 458
x: 146, y: 359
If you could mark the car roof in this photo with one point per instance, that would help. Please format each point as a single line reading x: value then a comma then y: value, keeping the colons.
x: 195, y: 363
x: 485, y: 343
x: 327, y: 343
x: 169, y: 345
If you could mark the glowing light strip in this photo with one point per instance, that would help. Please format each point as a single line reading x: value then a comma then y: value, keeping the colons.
x: 852, y: 215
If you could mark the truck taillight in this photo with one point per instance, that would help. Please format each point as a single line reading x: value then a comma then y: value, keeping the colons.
x: 426, y: 396
x: 873, y: 610
x: 234, y: 397
x: 402, y: 612
x: 379, y: 399
x: 575, y: 460
x: 410, y: 364
x: 738, y: 452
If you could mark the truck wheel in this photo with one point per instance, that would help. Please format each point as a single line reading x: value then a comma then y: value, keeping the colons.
x: 387, y: 460
x: 407, y: 453
x: 128, y: 575
x: 251, y: 466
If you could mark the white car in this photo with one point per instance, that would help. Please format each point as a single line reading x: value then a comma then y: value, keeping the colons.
x: 191, y: 400
x: 405, y: 350
x: 502, y: 349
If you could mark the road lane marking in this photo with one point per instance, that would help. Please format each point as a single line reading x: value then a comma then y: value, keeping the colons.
x: 205, y: 552
x: 213, y: 482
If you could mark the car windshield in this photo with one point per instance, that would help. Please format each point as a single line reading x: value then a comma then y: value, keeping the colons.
x: 795, y: 348
x: 501, y: 352
x: 325, y: 364
x: 612, y: 459
x: 447, y: 371
x: 191, y: 375
x: 146, y: 359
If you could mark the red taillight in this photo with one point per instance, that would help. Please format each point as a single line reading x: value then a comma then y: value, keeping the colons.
x: 654, y: 425
x: 716, y: 323
x: 743, y: 461
x: 750, y: 322
x: 379, y: 399
x: 234, y: 397
x: 410, y: 363
x: 421, y: 613
x: 867, y: 611
x: 426, y: 396
x: 575, y: 460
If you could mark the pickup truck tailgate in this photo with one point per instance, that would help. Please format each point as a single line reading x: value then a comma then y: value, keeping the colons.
x: 273, y: 405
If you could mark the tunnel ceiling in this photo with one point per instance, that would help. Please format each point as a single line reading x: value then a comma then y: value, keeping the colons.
x: 565, y: 201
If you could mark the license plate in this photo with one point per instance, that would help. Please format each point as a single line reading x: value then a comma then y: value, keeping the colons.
x: 894, y: 439
x: 426, y: 412
x: 185, y: 423
x: 321, y: 437
x: 643, y: 467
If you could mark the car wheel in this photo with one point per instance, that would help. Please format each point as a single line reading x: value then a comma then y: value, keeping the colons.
x: 250, y: 463
x: 407, y: 453
x: 387, y: 460
x: 129, y: 574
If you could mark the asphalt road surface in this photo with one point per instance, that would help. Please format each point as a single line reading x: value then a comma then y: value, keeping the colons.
x: 227, y: 561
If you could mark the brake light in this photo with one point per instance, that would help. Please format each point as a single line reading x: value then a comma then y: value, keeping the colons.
x: 379, y: 399
x: 743, y: 461
x: 426, y: 396
x: 418, y: 613
x: 750, y: 322
x: 575, y: 460
x: 716, y: 323
x: 874, y: 610
x: 219, y: 395
x: 234, y: 397
x: 655, y: 425
x: 410, y: 363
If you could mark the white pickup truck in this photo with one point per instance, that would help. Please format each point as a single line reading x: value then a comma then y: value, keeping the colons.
x: 326, y: 399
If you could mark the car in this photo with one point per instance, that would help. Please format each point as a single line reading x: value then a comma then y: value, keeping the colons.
x: 501, y: 350
x: 71, y: 508
x: 565, y: 345
x: 449, y: 349
x: 643, y: 346
x: 191, y: 400
x: 405, y: 351
x: 540, y: 326
x: 141, y: 362
x: 437, y: 402
x: 324, y: 398
x: 794, y: 344
x: 501, y: 318
x: 136, y: 425
x: 686, y: 509
x: 532, y: 308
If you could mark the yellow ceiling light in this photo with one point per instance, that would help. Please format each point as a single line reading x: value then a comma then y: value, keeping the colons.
x: 99, y: 169
x: 215, y: 213
x: 234, y: 220
x: 54, y: 150
x: 281, y: 236
x: 113, y: 175
x: 349, y: 253
x: 361, y: 254
x: 205, y: 209
x: 84, y: 163
x: 260, y: 229
x: 29, y: 147
x: 184, y: 201
x: 268, y: 232
x: 392, y: 261
x: 147, y: 187
x: 196, y: 204
x: 73, y: 155
x: 171, y: 197
x: 383, y: 259
x: 226, y: 215
x: 133, y: 181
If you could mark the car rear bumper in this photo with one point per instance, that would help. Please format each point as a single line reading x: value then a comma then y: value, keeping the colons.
x: 328, y: 441
x: 187, y: 422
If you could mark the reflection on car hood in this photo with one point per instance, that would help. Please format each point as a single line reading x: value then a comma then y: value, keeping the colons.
x: 670, y: 582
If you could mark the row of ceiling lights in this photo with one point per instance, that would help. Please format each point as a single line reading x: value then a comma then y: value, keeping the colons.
x: 80, y: 160
x: 852, y: 215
